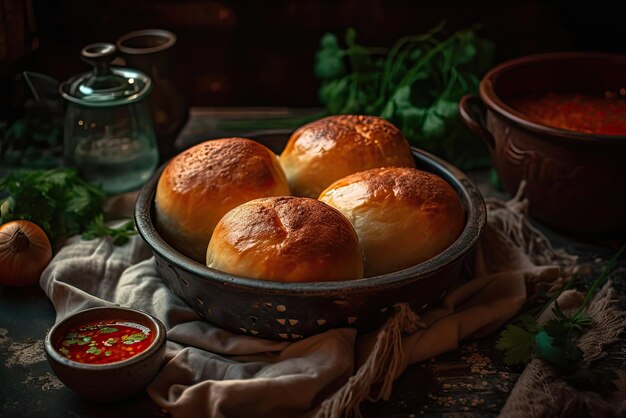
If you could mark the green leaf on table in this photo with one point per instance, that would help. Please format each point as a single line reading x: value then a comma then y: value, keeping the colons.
x: 555, y: 341
x: 120, y: 235
x: 560, y: 352
x: 57, y: 200
x: 517, y: 344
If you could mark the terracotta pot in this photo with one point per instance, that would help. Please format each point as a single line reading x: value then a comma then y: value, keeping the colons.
x: 575, y: 182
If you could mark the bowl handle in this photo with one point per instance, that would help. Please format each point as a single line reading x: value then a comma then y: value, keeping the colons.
x: 472, y: 112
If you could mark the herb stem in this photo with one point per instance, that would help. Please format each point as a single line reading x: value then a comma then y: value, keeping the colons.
x: 600, y: 279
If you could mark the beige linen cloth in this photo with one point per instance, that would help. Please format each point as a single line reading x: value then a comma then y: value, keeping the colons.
x: 209, y: 372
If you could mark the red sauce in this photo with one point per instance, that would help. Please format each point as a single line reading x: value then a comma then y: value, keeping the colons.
x: 103, y: 342
x: 576, y: 112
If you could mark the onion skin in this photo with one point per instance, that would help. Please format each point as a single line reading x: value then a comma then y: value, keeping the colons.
x: 25, y: 251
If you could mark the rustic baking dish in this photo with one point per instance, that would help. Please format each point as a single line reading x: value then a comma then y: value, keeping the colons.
x: 290, y: 311
x: 575, y: 182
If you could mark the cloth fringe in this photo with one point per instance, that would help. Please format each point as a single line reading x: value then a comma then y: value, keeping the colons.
x: 540, y: 392
x: 609, y: 322
x: 511, y: 218
x: 382, y: 365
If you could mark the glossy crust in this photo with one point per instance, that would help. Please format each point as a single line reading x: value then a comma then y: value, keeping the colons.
x: 328, y: 149
x: 291, y: 239
x: 403, y: 216
x: 204, y: 182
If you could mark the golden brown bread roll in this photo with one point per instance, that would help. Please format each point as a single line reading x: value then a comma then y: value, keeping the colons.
x: 403, y: 216
x: 291, y: 239
x: 201, y: 184
x: 331, y: 148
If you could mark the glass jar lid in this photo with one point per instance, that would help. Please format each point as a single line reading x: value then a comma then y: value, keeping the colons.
x: 105, y: 86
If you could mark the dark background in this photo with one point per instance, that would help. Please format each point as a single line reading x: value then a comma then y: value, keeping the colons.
x: 261, y: 53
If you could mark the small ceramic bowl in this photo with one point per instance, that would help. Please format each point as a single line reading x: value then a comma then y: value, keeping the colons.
x: 108, y: 382
x: 575, y: 181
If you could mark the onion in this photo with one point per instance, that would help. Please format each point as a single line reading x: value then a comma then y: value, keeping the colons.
x: 25, y: 251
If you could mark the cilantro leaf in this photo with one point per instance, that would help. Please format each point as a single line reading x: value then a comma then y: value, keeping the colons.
x: 555, y: 341
x: 107, y: 330
x: 560, y: 352
x: 57, y: 200
x: 94, y: 350
x: 120, y: 235
x: 416, y: 84
x: 134, y: 338
x: 517, y: 343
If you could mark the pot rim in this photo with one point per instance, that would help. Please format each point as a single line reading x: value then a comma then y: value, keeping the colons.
x: 496, y: 104
x: 169, y: 39
x: 476, y: 219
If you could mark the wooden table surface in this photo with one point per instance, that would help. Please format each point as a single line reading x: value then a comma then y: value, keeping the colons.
x: 469, y: 382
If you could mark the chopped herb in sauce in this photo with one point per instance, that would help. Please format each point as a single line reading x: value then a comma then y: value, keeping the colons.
x: 105, y: 342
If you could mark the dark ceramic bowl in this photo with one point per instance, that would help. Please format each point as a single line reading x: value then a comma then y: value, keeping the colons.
x: 113, y: 381
x: 575, y: 181
x: 289, y: 311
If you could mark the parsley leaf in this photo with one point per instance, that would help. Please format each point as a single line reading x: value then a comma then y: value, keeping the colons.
x: 560, y: 352
x: 60, y: 202
x: 120, y: 235
x: 555, y: 341
x: 134, y: 338
x: 94, y: 350
x: 107, y: 330
x: 416, y: 84
x: 517, y: 344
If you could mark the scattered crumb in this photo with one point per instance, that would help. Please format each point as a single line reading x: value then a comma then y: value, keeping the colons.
x: 479, y: 364
x: 48, y: 382
x: 29, y: 352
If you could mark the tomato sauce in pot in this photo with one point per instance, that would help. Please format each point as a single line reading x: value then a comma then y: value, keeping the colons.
x: 103, y: 342
x: 576, y: 112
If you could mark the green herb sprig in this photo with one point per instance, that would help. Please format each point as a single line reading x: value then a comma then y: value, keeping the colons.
x: 416, y: 84
x: 120, y: 235
x: 555, y: 342
x: 58, y: 200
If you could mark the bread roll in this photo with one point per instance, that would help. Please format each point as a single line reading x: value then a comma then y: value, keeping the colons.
x: 290, y: 239
x: 201, y: 184
x: 328, y: 149
x: 403, y: 216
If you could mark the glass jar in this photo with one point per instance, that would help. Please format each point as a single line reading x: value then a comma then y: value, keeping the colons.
x: 108, y: 133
